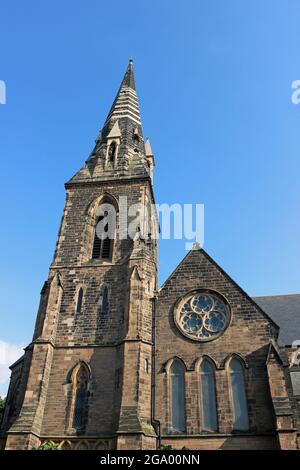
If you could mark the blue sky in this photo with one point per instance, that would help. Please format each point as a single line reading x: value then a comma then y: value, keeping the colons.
x: 214, y: 83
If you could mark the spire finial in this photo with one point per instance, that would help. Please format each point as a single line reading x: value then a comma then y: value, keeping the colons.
x: 126, y: 103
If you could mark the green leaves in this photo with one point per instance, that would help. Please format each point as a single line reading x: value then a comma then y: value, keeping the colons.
x: 47, y: 445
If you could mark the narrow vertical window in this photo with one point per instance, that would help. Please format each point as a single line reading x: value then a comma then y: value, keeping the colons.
x: 112, y: 152
x: 177, y: 397
x: 104, y: 236
x: 106, y: 248
x: 104, y: 304
x: 209, y: 420
x: 81, y: 394
x: 79, y: 301
x: 97, y: 241
x: 238, y: 394
x: 146, y: 366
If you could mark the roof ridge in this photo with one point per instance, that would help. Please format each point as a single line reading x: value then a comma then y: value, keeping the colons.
x: 275, y: 295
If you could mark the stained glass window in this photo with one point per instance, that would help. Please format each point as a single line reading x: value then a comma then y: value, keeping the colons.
x: 79, y: 416
x: 239, y: 401
x: 202, y: 316
x: 208, y: 397
x: 177, y: 397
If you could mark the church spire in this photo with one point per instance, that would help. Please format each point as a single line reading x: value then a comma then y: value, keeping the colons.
x: 126, y: 103
x: 120, y: 148
x: 128, y: 79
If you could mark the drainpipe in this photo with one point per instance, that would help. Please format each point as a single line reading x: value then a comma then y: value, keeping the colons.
x: 155, y: 422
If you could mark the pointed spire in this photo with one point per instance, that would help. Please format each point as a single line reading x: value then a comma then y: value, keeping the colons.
x: 126, y: 103
x: 128, y: 80
x: 148, y: 149
x: 122, y: 125
x: 115, y: 131
x: 149, y: 157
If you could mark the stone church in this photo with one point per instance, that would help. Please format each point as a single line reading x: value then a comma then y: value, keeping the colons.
x: 116, y: 362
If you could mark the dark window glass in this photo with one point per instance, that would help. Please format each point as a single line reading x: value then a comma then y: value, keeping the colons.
x: 106, y: 248
x: 79, y: 300
x: 102, y: 248
x: 112, y: 151
x: 239, y: 401
x: 104, y: 305
x: 79, y: 417
x: 97, y: 242
x: 177, y: 397
x: 208, y: 397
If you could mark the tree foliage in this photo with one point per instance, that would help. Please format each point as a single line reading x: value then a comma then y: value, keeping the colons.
x: 47, y: 445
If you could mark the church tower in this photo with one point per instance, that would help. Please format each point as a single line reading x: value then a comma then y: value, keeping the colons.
x: 85, y: 379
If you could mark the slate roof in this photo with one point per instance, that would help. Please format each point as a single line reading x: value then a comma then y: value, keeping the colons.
x: 285, y: 311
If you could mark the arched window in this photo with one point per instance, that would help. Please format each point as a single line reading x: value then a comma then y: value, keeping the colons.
x: 112, y: 152
x: 104, y: 304
x: 105, y: 233
x: 177, y: 396
x: 238, y: 395
x: 79, y: 301
x: 81, y: 395
x: 209, y: 421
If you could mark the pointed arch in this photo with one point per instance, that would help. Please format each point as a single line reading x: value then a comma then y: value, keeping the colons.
x: 208, y: 399
x: 238, y: 356
x: 82, y: 445
x: 170, y: 361
x: 79, y: 377
x: 106, y: 197
x: 105, y: 221
x: 176, y: 372
x: 236, y: 372
x: 65, y: 445
x: 73, y: 371
x: 102, y: 445
x: 199, y: 361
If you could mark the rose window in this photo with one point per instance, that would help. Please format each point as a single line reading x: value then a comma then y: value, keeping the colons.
x: 202, y: 316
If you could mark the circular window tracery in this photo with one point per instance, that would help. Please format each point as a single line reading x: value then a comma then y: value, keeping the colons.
x: 202, y: 315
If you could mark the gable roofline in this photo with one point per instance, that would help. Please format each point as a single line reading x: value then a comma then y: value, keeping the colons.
x: 174, y: 271
x: 274, y: 347
x: 21, y: 359
x: 227, y: 276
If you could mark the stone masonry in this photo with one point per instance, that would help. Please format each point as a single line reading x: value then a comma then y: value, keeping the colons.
x: 122, y: 348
